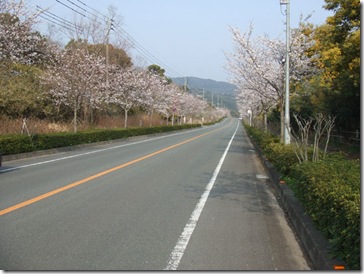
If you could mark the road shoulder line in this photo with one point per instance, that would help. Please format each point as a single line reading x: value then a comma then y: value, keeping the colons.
x: 181, y: 245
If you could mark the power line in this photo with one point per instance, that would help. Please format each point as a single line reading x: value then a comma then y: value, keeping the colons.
x: 85, y: 9
x: 53, y: 22
x: 123, y: 33
x: 76, y: 5
x: 138, y: 47
x: 94, y: 10
x: 70, y: 8
x: 51, y: 16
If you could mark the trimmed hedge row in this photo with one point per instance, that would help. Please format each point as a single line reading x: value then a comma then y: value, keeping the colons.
x: 329, y: 191
x: 14, y: 143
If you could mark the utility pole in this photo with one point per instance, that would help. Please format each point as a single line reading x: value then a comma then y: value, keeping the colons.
x: 287, y: 137
x: 107, y: 51
x: 185, y: 85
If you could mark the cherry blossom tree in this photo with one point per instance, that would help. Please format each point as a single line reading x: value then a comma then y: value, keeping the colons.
x: 166, y: 105
x: 196, y: 108
x: 23, y: 52
x: 154, y: 92
x: 76, y: 78
x: 191, y: 107
x: 178, y: 102
x: 247, y: 99
x: 257, y: 68
x: 18, y: 42
x: 126, y: 89
x: 164, y: 102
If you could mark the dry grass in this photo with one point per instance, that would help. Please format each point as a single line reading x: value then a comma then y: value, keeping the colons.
x: 16, y: 126
x: 34, y: 126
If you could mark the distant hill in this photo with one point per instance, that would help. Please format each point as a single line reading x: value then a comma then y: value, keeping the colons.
x: 207, y: 84
x: 220, y: 93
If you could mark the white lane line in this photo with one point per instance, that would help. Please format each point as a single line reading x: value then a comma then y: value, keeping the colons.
x: 95, y: 151
x: 184, y: 238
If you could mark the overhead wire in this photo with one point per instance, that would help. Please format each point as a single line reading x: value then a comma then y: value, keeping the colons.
x: 94, y: 10
x: 58, y: 24
x: 76, y: 5
x: 70, y: 8
x: 61, y: 22
x: 138, y: 47
x: 124, y: 34
x: 86, y: 11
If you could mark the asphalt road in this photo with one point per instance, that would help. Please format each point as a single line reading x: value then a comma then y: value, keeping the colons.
x: 192, y: 200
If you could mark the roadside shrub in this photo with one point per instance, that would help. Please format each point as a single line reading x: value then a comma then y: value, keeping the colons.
x: 281, y: 156
x: 260, y: 137
x: 14, y: 144
x: 330, y: 193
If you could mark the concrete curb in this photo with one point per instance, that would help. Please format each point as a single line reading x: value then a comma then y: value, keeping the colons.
x: 316, y: 245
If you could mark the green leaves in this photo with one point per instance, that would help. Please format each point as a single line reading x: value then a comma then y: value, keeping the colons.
x: 338, y: 50
x: 20, y: 90
x: 330, y: 193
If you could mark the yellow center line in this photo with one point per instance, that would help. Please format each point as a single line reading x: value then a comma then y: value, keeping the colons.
x: 87, y: 179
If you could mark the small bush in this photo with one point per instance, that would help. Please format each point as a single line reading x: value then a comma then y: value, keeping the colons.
x: 281, y: 156
x: 260, y: 137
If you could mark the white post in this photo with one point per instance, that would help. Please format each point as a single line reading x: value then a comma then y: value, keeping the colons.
x: 287, y: 137
x: 250, y: 113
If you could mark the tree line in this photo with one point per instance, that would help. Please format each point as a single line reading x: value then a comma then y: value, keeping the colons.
x: 83, y: 80
x: 324, y: 69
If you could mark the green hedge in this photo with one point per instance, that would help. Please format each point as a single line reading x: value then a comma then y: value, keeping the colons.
x: 329, y: 190
x: 262, y: 138
x: 14, y: 144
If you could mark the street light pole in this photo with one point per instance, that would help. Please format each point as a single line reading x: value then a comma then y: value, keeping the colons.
x: 287, y: 137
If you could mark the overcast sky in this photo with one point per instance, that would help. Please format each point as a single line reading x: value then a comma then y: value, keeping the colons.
x: 189, y: 37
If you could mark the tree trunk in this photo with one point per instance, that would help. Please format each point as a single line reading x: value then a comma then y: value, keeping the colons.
x: 151, y: 117
x: 92, y: 120
x: 75, y: 117
x: 265, y: 121
x: 126, y: 118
